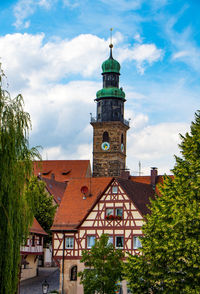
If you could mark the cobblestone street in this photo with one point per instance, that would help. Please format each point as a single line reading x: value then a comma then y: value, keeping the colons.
x: 34, y: 285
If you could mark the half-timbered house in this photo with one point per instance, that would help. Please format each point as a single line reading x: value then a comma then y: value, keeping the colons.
x: 90, y: 207
x: 31, y: 251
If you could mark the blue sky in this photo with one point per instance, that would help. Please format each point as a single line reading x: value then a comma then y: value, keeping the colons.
x: 52, y: 51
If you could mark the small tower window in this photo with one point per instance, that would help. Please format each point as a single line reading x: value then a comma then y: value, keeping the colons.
x: 122, y: 139
x: 73, y: 273
x: 105, y: 137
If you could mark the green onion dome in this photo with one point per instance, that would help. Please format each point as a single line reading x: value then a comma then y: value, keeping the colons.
x: 110, y: 65
x: 110, y: 92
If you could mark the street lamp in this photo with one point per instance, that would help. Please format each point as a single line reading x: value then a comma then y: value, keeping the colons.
x: 45, y: 287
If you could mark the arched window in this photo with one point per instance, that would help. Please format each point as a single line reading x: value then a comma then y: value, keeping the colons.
x: 73, y: 273
x: 105, y: 137
x: 122, y: 139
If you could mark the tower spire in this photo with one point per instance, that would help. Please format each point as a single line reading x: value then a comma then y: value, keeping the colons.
x: 111, y: 45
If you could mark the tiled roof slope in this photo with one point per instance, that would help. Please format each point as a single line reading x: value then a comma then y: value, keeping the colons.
x: 55, y: 188
x: 139, y: 193
x: 63, y: 170
x: 36, y: 228
x: 73, y: 207
x: 147, y: 179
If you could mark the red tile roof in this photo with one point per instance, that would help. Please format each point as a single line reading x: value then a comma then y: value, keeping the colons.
x: 147, y: 180
x: 63, y: 170
x: 73, y: 207
x: 36, y: 228
x: 139, y: 193
x: 55, y: 188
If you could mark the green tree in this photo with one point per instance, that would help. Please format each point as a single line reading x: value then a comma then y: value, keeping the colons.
x: 103, y: 267
x: 15, y: 167
x: 42, y: 204
x: 170, y: 261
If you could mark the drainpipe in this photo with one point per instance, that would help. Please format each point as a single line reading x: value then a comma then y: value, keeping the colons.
x: 63, y: 259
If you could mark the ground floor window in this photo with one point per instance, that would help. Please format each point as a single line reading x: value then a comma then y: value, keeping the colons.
x: 110, y: 240
x: 73, y: 273
x: 136, y: 242
x: 119, y: 242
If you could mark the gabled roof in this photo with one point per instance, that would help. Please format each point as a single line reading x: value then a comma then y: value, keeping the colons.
x: 139, y: 193
x: 62, y: 170
x: 55, y: 188
x: 36, y: 228
x: 73, y: 207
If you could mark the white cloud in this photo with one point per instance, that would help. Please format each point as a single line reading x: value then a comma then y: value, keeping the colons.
x: 184, y: 48
x: 83, y: 151
x: 60, y: 108
x: 71, y: 3
x: 138, y: 38
x: 154, y: 144
x: 142, y: 54
x: 25, y: 8
x: 180, y: 54
x: 35, y: 62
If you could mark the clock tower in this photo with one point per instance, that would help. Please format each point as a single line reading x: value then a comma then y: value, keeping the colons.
x: 109, y: 126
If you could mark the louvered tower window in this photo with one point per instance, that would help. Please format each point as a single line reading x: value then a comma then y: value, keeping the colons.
x: 105, y: 137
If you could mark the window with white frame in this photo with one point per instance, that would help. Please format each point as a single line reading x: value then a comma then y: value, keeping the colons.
x: 119, y: 212
x: 109, y: 211
x: 110, y: 240
x: 119, y: 242
x: 114, y: 189
x: 136, y: 242
x: 90, y: 241
x: 69, y: 242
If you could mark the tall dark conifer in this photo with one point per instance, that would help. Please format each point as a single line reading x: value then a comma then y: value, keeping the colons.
x: 15, y: 167
x: 170, y: 261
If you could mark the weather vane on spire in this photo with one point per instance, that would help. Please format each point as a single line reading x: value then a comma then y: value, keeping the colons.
x: 111, y: 45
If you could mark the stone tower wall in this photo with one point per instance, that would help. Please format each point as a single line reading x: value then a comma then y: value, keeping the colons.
x: 112, y: 161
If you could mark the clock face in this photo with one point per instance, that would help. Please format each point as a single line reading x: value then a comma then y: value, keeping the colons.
x: 122, y: 147
x: 105, y: 146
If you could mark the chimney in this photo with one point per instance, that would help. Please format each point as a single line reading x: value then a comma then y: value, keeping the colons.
x: 125, y: 174
x: 52, y: 176
x: 154, y: 174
